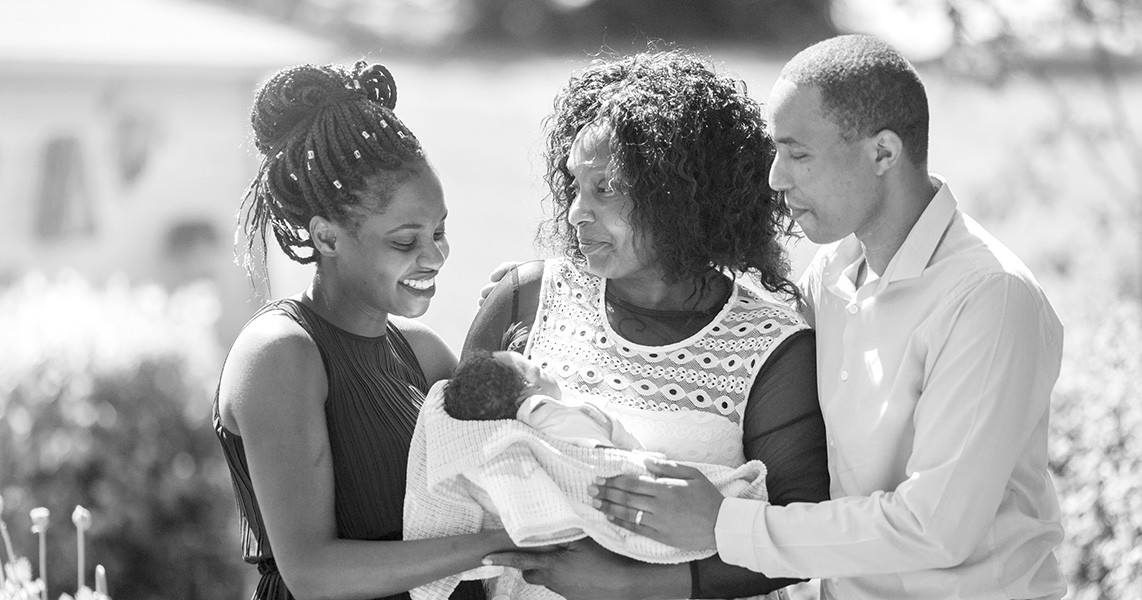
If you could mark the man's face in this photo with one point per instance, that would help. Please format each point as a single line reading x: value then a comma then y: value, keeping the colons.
x: 829, y: 183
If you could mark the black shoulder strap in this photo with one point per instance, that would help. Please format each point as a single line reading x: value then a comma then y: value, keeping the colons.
x: 515, y: 294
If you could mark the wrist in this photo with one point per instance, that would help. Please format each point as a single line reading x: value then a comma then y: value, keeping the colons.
x: 496, y: 540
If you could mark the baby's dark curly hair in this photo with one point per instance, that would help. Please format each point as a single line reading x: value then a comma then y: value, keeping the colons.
x: 324, y: 133
x: 694, y: 155
x: 483, y: 389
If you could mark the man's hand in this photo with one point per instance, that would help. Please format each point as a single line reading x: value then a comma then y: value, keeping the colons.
x: 675, y: 505
x: 494, y: 277
x: 584, y: 570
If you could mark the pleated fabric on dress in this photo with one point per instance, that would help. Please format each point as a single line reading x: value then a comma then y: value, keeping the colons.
x: 376, y: 387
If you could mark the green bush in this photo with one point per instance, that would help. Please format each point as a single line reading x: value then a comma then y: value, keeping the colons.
x: 105, y: 394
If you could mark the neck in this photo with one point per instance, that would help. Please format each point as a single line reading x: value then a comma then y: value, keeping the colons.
x: 904, y: 203
x: 333, y: 302
x: 698, y: 293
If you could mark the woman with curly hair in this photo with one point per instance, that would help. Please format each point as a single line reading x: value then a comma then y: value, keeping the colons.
x: 319, y: 395
x: 671, y: 301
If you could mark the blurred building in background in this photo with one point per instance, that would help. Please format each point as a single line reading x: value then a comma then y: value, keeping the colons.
x: 123, y: 143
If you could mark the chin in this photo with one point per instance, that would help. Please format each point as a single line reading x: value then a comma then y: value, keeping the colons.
x: 600, y: 268
x: 416, y: 312
x: 820, y: 237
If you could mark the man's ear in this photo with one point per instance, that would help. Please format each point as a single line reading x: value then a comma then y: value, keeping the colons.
x: 324, y: 233
x: 889, y: 149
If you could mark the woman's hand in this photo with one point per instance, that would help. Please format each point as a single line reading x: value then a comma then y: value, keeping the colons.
x: 494, y: 277
x: 584, y: 570
x: 675, y: 505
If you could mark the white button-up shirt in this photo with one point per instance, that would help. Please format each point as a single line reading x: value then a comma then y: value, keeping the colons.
x: 935, y: 382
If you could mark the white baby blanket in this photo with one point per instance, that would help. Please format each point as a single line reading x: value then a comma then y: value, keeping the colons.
x: 464, y: 476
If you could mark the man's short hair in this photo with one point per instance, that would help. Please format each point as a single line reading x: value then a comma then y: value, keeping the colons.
x: 866, y: 86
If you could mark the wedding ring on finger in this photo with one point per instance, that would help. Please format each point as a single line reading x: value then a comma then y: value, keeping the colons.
x: 638, y: 519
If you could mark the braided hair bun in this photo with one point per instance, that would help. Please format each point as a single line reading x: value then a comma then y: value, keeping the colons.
x: 322, y: 131
x: 295, y: 95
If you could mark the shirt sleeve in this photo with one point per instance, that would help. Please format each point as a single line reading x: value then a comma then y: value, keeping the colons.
x: 990, y: 367
x: 784, y: 429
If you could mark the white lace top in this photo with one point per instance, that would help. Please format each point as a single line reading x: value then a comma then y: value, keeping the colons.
x: 685, y: 399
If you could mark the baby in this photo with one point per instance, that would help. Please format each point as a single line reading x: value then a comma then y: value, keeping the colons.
x: 506, y: 385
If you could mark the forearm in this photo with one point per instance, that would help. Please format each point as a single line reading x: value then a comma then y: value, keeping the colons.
x: 661, y: 582
x: 713, y: 578
x: 349, y: 569
x: 647, y: 581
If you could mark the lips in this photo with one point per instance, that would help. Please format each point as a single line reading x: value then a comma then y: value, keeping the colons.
x: 587, y: 245
x: 420, y: 285
x: 794, y: 210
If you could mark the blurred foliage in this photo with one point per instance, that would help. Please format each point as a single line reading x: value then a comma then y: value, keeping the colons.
x: 105, y: 395
x: 1052, y: 42
x: 1096, y: 453
x: 551, y: 24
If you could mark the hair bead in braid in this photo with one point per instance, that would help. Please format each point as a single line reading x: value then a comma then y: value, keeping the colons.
x: 322, y: 131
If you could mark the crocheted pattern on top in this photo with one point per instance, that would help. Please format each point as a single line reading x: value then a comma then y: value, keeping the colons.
x: 686, y: 399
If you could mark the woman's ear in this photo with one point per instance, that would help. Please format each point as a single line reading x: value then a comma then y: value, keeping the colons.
x: 324, y: 234
x: 889, y: 148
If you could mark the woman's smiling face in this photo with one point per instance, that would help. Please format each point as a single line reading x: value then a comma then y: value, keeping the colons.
x: 390, y: 262
x: 601, y: 210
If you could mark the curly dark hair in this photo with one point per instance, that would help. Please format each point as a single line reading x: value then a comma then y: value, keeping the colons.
x: 325, y: 132
x: 866, y: 86
x: 483, y: 389
x: 694, y: 155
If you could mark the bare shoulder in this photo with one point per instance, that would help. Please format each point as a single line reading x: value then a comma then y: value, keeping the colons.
x: 531, y: 272
x: 436, y: 359
x: 273, y: 362
x: 528, y: 276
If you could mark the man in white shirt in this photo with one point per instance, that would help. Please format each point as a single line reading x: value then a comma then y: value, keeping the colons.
x: 937, y: 352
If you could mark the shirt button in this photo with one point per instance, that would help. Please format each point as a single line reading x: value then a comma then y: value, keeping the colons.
x: 844, y: 375
x: 853, y: 309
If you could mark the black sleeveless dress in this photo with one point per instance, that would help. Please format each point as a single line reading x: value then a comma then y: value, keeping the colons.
x: 376, y: 387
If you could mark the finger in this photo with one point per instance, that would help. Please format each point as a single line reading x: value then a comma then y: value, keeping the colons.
x: 639, y: 521
x: 484, y: 293
x: 620, y: 497
x: 625, y: 513
x: 502, y: 269
x: 630, y: 484
x: 629, y: 526
x: 524, y: 561
x: 535, y: 577
x: 671, y: 470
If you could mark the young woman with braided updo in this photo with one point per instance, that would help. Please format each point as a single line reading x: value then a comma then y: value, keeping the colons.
x: 319, y: 395
x: 658, y: 170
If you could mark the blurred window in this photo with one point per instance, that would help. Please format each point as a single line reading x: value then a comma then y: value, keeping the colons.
x: 65, y: 205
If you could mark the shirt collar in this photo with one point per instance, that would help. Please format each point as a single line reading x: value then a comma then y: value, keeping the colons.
x: 913, y: 255
x: 919, y: 247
